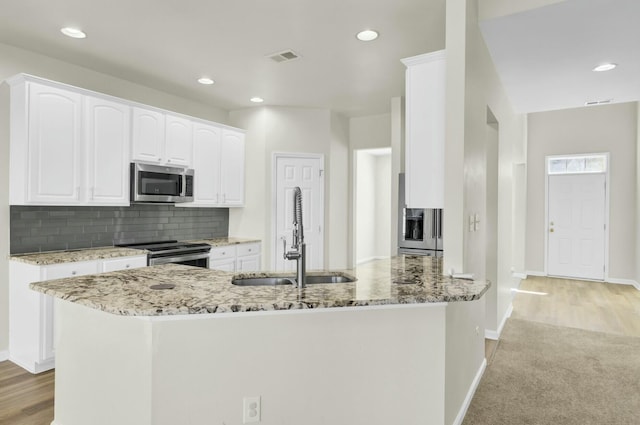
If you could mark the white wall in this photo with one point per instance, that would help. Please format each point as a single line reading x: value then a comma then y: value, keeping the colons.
x: 397, y: 165
x: 384, y: 206
x: 638, y: 197
x: 300, y: 130
x: 14, y: 61
x: 472, y: 86
x: 340, y: 243
x: 372, y: 205
x: 374, y: 132
x: 605, y: 128
x: 4, y: 221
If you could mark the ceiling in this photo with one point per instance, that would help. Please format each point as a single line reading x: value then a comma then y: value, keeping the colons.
x: 545, y: 56
x: 169, y: 44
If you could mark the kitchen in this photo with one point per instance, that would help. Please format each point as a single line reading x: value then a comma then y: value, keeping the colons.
x: 281, y: 128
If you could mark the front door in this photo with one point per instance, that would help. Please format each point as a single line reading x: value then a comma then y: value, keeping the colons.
x: 576, y: 231
x: 305, y: 172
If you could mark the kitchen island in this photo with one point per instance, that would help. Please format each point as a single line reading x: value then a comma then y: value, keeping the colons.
x: 368, y: 352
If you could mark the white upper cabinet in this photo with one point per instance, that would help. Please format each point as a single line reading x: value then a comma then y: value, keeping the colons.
x: 107, y: 129
x: 67, y: 148
x: 148, y: 135
x: 49, y: 151
x: 218, y: 161
x: 425, y: 130
x: 161, y: 138
x: 206, y: 157
x: 178, y: 141
x: 232, y: 167
x: 70, y: 146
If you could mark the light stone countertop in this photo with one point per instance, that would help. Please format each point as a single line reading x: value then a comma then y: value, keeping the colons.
x: 75, y: 255
x: 399, y: 280
x: 90, y: 254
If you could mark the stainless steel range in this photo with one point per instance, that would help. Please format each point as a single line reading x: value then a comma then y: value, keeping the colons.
x: 162, y: 252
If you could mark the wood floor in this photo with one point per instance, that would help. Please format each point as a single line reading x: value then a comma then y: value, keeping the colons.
x: 594, y: 306
x: 27, y: 399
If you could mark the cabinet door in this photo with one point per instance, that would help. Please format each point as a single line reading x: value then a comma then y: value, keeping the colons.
x: 425, y: 122
x: 206, y: 164
x: 249, y: 263
x: 107, y: 129
x: 228, y: 265
x: 232, y: 168
x: 54, y: 145
x: 178, y: 141
x: 148, y: 135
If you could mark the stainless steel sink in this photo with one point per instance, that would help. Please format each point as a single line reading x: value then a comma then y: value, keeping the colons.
x: 278, y: 280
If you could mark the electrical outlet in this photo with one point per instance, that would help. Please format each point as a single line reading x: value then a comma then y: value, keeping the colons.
x: 251, y: 410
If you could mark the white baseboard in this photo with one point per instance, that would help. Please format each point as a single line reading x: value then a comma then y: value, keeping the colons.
x: 472, y: 390
x: 366, y: 260
x: 519, y: 275
x: 535, y: 273
x: 495, y: 335
x: 4, y: 355
x: 624, y: 282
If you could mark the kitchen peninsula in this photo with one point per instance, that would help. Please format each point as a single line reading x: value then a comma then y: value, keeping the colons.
x: 368, y: 352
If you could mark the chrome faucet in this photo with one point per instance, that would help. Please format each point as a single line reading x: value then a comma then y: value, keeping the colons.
x: 298, y: 248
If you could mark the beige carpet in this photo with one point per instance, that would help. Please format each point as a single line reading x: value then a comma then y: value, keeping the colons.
x: 544, y: 374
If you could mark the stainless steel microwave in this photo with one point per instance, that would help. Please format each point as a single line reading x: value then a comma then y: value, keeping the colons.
x: 157, y: 183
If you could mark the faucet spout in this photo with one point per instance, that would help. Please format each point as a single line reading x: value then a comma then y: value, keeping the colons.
x: 298, y: 248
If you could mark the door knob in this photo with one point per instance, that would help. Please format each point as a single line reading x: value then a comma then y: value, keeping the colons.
x: 551, y: 230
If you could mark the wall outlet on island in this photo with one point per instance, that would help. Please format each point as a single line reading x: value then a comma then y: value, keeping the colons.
x: 251, y: 410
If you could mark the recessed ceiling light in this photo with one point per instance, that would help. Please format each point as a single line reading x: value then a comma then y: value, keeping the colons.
x: 205, y: 81
x: 73, y: 32
x: 367, y: 35
x: 257, y: 99
x: 605, y: 67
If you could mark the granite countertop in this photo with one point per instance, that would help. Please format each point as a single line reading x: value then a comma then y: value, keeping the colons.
x: 225, y: 241
x: 399, y: 280
x: 89, y: 254
x: 73, y: 256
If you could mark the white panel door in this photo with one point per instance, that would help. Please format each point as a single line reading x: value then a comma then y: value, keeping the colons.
x: 576, y: 238
x: 54, y: 145
x: 305, y: 173
x: 108, y: 132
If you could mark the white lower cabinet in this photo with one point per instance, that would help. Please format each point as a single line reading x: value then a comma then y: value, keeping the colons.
x: 31, y: 314
x: 236, y: 258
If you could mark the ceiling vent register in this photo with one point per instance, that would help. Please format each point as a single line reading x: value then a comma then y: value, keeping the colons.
x: 285, y: 56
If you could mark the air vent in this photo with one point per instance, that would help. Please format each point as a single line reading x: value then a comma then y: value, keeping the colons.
x: 285, y: 56
x: 598, y: 102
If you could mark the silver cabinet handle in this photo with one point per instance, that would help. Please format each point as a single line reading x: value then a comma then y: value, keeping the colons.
x: 73, y: 273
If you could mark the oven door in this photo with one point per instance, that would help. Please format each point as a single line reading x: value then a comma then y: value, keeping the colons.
x: 198, y: 260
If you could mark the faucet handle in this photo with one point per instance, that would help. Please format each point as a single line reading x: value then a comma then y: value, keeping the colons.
x: 284, y: 247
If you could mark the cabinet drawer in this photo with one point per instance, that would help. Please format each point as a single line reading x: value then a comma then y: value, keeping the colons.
x: 124, y: 263
x: 248, y: 249
x: 222, y: 252
x: 60, y: 271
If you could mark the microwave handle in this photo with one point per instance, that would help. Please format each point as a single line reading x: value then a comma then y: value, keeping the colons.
x: 181, y: 185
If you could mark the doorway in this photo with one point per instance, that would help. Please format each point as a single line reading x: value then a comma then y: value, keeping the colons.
x: 307, y: 172
x: 577, y: 214
x: 372, y: 204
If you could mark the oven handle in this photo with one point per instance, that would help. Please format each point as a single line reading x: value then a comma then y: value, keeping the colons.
x: 177, y: 258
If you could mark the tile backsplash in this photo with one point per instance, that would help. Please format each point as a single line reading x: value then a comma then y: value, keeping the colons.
x: 37, y: 229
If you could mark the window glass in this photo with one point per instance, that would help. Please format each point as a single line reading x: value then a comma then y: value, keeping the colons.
x: 577, y: 164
